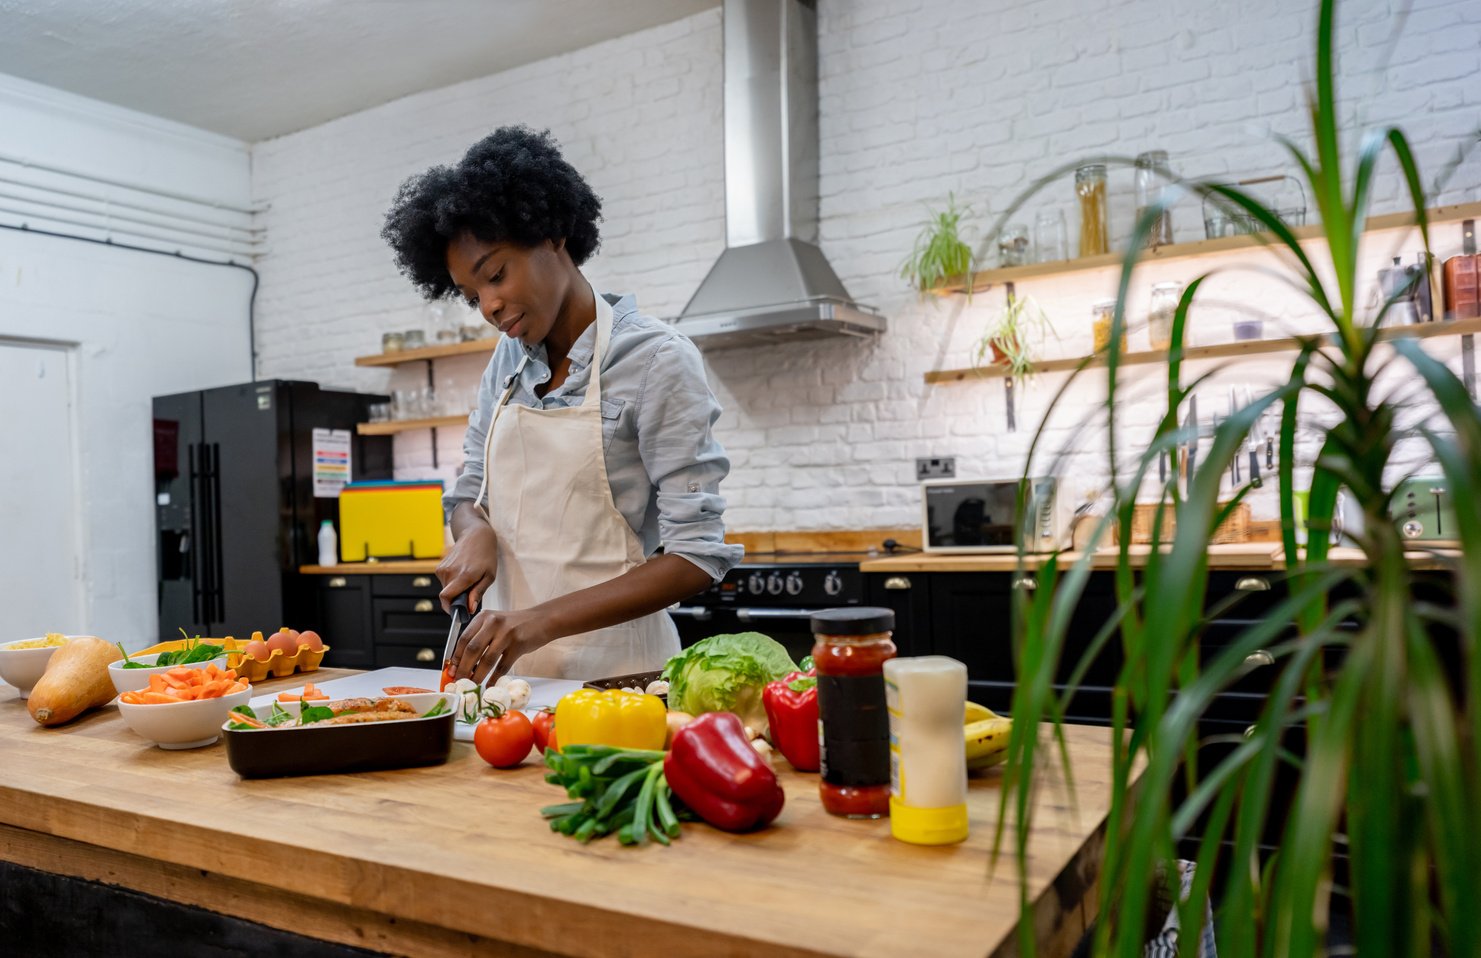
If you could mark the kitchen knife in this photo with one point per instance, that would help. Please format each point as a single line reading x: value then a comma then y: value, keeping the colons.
x: 461, y: 616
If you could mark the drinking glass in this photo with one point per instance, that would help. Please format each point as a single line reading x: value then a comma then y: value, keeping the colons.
x: 1050, y: 239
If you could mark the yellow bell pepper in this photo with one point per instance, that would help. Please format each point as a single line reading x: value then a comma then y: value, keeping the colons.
x: 623, y: 719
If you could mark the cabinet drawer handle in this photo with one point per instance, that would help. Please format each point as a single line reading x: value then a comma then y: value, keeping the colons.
x: 1258, y: 658
x: 338, y: 582
x: 421, y: 582
x: 897, y: 582
x: 426, y: 655
x: 423, y: 605
x: 1026, y: 584
x: 1249, y: 732
x: 1252, y: 583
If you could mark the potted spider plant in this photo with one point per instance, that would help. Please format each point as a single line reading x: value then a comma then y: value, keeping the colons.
x: 1013, y: 338
x: 940, y: 254
x: 1381, y: 743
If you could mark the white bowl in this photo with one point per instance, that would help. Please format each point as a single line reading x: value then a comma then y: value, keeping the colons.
x: 132, y: 680
x: 182, y: 724
x: 23, y: 667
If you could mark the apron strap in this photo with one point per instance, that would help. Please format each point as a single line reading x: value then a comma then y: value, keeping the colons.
x: 604, y: 337
x: 488, y: 436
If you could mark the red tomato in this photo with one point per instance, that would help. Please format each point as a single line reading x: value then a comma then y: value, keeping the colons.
x: 505, y: 741
x: 448, y: 676
x: 544, y: 723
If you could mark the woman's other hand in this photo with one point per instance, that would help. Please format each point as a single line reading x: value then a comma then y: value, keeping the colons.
x: 498, y: 638
x: 472, y: 562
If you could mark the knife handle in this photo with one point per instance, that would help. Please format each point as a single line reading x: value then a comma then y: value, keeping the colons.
x: 459, y: 609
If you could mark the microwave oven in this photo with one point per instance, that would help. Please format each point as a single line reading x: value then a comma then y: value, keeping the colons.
x: 977, y: 515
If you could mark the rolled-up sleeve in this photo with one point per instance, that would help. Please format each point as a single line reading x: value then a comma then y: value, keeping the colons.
x: 676, y: 416
x: 466, y: 486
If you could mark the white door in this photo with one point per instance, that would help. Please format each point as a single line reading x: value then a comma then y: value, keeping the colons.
x: 40, y: 567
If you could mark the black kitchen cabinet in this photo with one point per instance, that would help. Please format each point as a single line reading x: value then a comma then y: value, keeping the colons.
x: 409, y: 626
x: 972, y: 621
x: 908, y: 595
x: 341, y: 615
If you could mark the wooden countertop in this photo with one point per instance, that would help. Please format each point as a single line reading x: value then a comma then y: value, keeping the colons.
x: 1241, y: 555
x: 390, y: 566
x: 453, y: 859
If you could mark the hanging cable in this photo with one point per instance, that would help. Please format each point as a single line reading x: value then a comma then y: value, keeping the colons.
x: 177, y: 254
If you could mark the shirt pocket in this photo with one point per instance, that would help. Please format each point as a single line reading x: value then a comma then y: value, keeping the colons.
x: 611, y: 420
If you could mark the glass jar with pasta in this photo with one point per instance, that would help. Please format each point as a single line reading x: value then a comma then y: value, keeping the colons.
x: 1090, y: 187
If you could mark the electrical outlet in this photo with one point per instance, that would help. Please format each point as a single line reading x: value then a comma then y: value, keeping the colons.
x: 942, y: 468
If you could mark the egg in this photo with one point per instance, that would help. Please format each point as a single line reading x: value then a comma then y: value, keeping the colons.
x: 310, y: 639
x: 284, y: 641
x: 257, y: 649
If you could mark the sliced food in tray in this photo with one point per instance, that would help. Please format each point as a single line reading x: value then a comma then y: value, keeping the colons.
x: 314, y: 737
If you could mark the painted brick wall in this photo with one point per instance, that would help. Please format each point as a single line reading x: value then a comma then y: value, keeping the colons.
x: 918, y: 98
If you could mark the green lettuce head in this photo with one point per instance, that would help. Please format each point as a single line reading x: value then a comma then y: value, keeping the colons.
x: 726, y: 673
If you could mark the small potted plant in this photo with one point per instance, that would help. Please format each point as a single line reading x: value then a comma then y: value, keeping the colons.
x: 940, y: 253
x: 1013, y: 338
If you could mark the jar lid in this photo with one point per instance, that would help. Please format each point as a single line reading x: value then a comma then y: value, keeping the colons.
x: 853, y: 620
x: 1174, y: 284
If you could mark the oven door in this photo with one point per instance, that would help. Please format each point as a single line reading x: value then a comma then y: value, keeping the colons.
x: 789, y: 626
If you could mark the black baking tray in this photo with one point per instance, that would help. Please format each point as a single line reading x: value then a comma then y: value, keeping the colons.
x: 331, y: 749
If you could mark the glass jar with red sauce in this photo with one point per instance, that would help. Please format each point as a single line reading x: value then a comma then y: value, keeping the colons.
x: 850, y: 650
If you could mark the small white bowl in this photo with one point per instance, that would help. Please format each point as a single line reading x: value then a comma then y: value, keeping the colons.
x: 23, y: 667
x: 132, y: 680
x: 182, y: 724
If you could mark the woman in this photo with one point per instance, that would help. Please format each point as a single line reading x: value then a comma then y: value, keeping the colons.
x: 591, y: 446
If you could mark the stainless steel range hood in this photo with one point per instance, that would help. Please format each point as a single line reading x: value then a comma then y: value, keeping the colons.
x: 772, y: 283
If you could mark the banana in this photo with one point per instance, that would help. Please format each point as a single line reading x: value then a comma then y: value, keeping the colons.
x: 979, y: 713
x: 987, y: 741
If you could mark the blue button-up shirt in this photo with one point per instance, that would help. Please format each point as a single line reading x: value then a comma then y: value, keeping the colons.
x: 663, y: 462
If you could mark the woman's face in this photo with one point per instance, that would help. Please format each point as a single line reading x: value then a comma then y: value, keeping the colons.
x: 518, y: 289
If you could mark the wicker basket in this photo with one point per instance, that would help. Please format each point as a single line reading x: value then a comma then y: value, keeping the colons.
x: 1236, y: 528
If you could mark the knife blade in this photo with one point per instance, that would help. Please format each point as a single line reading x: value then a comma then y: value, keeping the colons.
x: 461, y: 616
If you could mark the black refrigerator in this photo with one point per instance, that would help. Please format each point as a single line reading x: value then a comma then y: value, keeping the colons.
x: 243, y: 477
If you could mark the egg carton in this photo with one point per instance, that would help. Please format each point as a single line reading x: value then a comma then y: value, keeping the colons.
x: 278, y: 665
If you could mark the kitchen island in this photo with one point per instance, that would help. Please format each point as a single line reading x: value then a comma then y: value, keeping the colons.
x: 455, y: 859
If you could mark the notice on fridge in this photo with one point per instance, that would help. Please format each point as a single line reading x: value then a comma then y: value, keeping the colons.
x: 331, y: 462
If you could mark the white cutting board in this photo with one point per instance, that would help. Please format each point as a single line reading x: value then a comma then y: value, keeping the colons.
x: 544, y: 693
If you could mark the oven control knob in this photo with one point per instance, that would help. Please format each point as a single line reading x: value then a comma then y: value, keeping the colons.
x: 755, y: 584
x: 832, y: 584
x: 794, y: 584
x: 774, y: 583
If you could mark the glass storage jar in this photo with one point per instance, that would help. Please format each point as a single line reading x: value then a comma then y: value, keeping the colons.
x: 1090, y: 187
x: 1101, y: 316
x: 1152, y: 178
x: 1161, y: 312
x: 850, y: 650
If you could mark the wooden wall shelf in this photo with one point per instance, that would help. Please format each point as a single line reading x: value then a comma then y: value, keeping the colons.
x: 1461, y: 327
x: 428, y: 352
x: 1015, y: 274
x: 406, y: 425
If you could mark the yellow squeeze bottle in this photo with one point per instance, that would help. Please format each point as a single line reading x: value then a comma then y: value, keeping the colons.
x: 926, y: 697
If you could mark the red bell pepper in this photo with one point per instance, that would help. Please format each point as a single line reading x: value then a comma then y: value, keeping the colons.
x: 713, y: 768
x: 792, y: 712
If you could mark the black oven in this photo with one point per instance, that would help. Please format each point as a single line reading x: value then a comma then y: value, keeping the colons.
x: 774, y: 595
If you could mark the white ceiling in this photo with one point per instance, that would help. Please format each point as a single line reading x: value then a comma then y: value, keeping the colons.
x: 256, y: 69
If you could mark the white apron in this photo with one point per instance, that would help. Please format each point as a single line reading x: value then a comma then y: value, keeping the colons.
x: 559, y: 531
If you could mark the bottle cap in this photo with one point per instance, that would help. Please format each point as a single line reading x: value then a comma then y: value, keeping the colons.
x: 928, y: 826
x: 853, y: 620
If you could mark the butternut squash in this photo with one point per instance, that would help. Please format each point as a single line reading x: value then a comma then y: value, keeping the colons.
x: 76, y: 679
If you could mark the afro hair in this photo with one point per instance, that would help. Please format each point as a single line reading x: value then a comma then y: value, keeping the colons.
x: 513, y: 186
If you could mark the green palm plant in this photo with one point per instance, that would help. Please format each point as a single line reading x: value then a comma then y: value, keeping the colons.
x: 1384, y: 747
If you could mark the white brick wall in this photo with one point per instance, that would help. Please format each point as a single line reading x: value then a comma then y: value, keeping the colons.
x: 917, y: 99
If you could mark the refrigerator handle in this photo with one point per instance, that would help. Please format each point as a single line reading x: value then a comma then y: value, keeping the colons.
x: 218, y: 567
x: 205, y: 545
x: 195, y: 535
